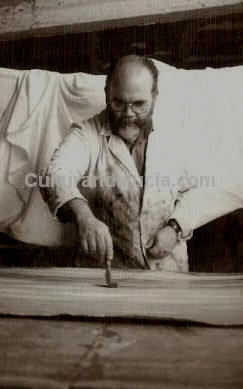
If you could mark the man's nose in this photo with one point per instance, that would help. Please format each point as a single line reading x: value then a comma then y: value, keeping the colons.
x: 128, y: 110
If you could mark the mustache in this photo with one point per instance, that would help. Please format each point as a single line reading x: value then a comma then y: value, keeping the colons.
x: 144, y: 123
x: 126, y: 121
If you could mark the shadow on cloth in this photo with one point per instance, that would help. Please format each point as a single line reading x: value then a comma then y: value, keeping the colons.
x: 215, y: 247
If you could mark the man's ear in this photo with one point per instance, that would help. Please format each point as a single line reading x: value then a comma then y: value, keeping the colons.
x: 155, y: 94
x: 106, y: 94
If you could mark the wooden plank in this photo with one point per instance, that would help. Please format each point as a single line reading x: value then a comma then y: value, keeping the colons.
x: 44, y: 18
x: 212, y: 299
x: 75, y: 354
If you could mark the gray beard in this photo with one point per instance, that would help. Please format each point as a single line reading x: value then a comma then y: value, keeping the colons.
x: 145, y: 124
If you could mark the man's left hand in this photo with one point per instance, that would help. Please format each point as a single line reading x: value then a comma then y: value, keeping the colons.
x: 164, y: 242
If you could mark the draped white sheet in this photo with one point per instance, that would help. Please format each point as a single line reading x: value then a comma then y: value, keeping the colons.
x: 35, y: 119
x: 199, y: 114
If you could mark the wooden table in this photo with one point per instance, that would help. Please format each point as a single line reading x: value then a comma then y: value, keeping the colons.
x: 116, y: 355
x: 112, y: 353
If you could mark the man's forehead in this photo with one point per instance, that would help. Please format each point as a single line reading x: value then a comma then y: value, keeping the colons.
x: 131, y: 74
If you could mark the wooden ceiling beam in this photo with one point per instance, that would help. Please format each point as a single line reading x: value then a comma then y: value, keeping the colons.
x: 39, y: 18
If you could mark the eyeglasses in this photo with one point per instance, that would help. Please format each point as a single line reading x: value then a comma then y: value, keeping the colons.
x: 137, y: 107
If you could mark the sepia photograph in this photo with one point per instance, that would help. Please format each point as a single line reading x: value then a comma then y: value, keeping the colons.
x: 121, y: 194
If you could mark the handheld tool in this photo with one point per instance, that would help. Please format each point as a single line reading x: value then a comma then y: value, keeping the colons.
x: 110, y: 283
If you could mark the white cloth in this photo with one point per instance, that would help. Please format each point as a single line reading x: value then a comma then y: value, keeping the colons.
x: 201, y: 118
x: 199, y: 115
x: 37, y: 118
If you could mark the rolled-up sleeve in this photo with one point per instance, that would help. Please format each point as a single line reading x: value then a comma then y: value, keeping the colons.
x: 202, y: 203
x: 199, y: 206
x: 67, y: 167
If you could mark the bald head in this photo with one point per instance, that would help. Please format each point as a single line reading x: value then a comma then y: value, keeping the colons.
x: 133, y: 75
x: 131, y: 67
x: 131, y: 82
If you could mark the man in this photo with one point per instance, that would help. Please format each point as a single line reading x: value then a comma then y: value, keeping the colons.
x: 112, y: 177
x: 131, y: 221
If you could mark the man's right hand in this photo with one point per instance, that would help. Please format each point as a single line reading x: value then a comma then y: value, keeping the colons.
x: 94, y: 236
x: 95, y: 239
